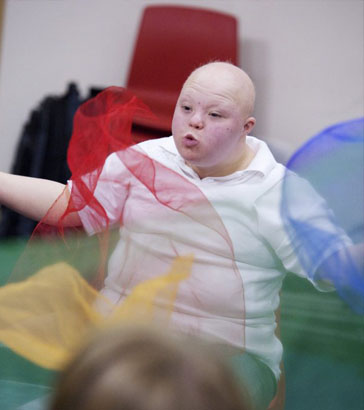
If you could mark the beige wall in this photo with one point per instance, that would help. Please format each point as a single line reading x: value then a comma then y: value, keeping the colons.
x: 306, y: 57
x: 1, y: 23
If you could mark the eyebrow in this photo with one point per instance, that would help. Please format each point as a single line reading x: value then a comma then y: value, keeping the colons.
x: 221, y: 107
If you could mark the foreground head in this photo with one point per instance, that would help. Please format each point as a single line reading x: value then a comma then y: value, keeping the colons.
x: 139, y: 369
x: 212, y: 118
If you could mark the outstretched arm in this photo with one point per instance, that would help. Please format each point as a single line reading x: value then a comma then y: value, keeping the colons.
x: 344, y: 270
x: 33, y: 197
x: 349, y: 259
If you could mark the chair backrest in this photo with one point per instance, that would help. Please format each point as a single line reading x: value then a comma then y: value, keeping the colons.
x: 172, y: 41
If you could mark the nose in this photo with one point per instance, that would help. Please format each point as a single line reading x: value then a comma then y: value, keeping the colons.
x: 196, y: 121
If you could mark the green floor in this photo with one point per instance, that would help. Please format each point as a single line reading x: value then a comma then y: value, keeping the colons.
x: 21, y: 382
x: 323, y: 352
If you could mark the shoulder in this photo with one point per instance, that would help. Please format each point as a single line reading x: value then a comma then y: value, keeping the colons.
x: 269, y: 173
x: 154, y: 149
x: 162, y: 150
x: 157, y: 146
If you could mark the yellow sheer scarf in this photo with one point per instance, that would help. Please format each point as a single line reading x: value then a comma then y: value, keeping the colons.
x: 46, y: 317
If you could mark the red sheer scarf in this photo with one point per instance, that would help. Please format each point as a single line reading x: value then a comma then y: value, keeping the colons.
x: 166, y: 247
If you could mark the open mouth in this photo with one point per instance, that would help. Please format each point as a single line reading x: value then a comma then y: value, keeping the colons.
x: 190, y: 137
x: 189, y: 140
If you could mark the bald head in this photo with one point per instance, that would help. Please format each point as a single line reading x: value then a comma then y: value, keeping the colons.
x: 232, y: 81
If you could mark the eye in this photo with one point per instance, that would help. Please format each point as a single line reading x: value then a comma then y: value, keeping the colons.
x: 215, y: 115
x: 186, y: 108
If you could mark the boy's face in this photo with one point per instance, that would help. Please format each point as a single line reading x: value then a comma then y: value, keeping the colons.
x: 208, y: 124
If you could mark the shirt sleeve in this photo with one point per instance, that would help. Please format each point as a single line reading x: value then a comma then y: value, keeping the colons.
x: 110, y: 192
x: 292, y: 239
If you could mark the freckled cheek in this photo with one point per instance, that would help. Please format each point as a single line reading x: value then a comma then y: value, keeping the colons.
x: 221, y: 133
x: 218, y: 139
x: 230, y: 131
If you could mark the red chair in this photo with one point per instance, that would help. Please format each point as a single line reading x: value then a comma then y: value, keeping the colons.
x: 172, y: 41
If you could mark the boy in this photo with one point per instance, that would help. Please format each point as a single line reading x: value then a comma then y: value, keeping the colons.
x: 233, y: 186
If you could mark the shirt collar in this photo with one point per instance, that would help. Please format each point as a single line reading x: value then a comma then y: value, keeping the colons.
x: 262, y: 163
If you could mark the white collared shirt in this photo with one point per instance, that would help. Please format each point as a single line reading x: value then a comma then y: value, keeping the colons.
x: 248, y: 203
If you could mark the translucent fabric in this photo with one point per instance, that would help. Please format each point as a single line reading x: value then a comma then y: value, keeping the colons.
x: 155, y: 257
x: 333, y: 164
x: 47, y: 316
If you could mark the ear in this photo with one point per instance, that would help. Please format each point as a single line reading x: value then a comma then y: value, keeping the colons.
x: 249, y: 125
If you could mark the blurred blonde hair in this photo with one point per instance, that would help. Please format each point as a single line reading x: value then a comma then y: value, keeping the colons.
x: 138, y: 368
